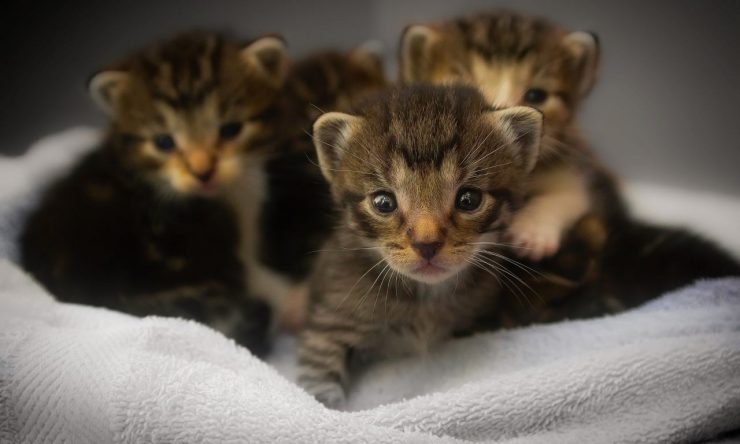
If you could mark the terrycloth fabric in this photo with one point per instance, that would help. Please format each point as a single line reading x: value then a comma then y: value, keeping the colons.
x: 668, y: 372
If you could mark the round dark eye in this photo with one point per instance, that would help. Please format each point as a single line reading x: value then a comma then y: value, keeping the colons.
x: 535, y: 96
x: 468, y: 199
x: 164, y: 142
x: 384, y: 202
x: 229, y: 130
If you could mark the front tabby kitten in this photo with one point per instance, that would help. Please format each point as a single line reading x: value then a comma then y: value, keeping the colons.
x: 426, y: 179
x: 142, y: 223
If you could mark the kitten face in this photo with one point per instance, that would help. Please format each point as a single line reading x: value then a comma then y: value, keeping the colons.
x: 513, y: 59
x: 191, y: 108
x: 424, y: 174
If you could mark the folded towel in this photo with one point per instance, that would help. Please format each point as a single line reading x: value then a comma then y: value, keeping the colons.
x: 667, y: 372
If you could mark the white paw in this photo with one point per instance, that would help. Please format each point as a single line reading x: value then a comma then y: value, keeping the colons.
x: 533, y: 237
x: 331, y: 394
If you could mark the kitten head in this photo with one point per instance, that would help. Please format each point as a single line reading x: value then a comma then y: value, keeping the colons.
x: 514, y: 59
x: 427, y: 175
x: 335, y: 80
x: 187, y: 110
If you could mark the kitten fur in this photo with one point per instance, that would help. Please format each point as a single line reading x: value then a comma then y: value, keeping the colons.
x: 507, y: 56
x: 298, y: 215
x: 401, y: 281
x: 142, y: 223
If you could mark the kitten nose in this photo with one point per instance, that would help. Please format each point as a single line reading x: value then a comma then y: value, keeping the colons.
x: 206, y: 175
x: 427, y: 250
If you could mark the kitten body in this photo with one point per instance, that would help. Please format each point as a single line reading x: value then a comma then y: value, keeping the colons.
x: 605, y: 261
x: 515, y: 59
x: 297, y: 216
x: 426, y: 180
x: 144, y: 224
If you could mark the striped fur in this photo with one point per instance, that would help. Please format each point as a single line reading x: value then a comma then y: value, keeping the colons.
x: 373, y: 289
x: 139, y: 224
x: 508, y: 56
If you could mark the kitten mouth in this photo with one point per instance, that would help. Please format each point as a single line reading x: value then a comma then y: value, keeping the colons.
x: 429, y: 269
x: 208, y: 189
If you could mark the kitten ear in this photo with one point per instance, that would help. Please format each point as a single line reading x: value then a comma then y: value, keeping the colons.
x: 268, y: 55
x: 415, y: 57
x: 331, y: 132
x: 106, y: 89
x: 369, y: 55
x: 524, y: 126
x: 583, y: 48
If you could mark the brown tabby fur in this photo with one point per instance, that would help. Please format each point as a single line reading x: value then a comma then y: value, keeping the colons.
x: 423, y: 144
x: 146, y: 230
x: 505, y: 54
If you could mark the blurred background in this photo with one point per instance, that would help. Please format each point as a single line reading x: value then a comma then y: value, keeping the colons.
x: 665, y: 109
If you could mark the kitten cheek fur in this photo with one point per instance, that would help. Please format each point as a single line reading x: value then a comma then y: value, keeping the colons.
x: 188, y: 96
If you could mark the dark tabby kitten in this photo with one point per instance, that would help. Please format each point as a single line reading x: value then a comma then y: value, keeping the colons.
x: 298, y: 215
x: 516, y: 59
x: 142, y: 224
x: 427, y: 180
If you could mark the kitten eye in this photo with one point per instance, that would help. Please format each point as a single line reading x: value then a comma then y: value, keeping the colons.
x: 468, y: 199
x: 535, y: 96
x: 229, y: 130
x: 384, y: 202
x: 164, y: 142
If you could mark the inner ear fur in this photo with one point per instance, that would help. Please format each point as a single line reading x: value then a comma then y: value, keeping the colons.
x: 331, y: 135
x: 268, y: 55
x: 585, y: 53
x: 107, y: 87
x: 522, y: 125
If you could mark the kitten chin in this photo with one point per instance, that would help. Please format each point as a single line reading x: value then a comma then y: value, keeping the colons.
x: 426, y: 180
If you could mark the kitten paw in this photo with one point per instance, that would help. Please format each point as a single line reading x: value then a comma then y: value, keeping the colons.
x: 534, y: 238
x: 331, y: 394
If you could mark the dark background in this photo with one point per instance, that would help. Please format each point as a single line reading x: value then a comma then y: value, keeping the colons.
x: 665, y: 109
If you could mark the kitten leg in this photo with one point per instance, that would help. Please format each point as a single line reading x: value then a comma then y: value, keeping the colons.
x: 323, y: 355
x: 559, y: 199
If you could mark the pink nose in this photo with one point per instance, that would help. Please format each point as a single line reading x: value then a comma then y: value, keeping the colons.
x: 427, y: 250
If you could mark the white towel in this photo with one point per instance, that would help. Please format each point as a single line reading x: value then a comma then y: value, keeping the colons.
x: 667, y: 372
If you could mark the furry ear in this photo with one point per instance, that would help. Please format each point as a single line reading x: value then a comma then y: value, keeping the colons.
x: 369, y: 55
x: 268, y: 55
x: 524, y: 127
x: 584, y: 50
x: 106, y: 88
x: 415, y: 56
x: 331, y: 132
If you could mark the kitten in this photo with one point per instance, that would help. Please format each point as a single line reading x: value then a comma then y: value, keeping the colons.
x: 298, y: 215
x: 606, y: 260
x: 516, y: 59
x: 426, y: 180
x: 142, y: 223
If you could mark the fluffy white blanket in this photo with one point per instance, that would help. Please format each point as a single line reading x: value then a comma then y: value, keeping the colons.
x: 666, y: 372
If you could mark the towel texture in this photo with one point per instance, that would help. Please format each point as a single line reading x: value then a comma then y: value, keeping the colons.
x: 666, y: 372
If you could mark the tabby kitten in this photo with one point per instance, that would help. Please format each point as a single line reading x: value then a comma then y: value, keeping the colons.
x: 516, y: 59
x: 142, y: 223
x: 606, y: 261
x: 298, y: 215
x: 427, y: 180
